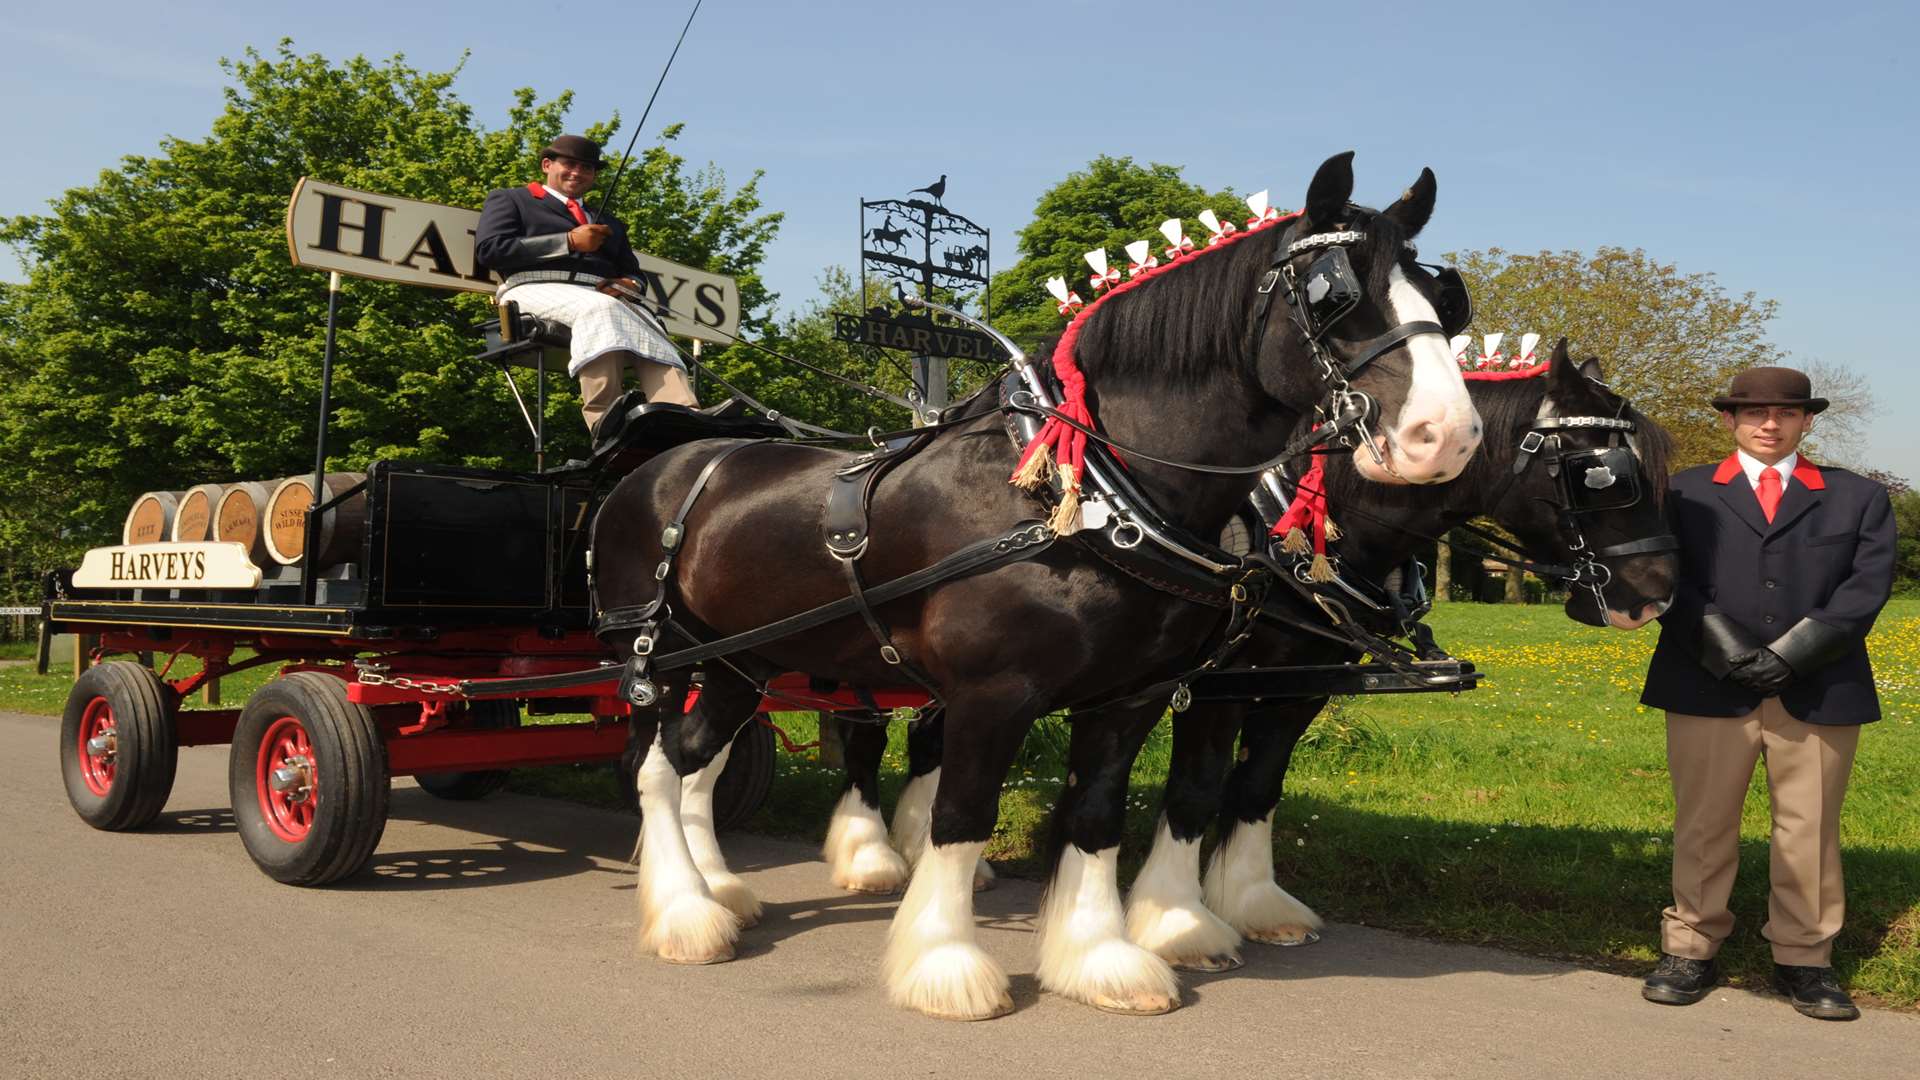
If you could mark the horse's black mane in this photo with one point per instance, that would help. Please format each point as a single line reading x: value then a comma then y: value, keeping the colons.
x: 1184, y: 323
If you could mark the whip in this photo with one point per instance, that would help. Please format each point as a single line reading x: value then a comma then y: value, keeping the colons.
x: 614, y: 184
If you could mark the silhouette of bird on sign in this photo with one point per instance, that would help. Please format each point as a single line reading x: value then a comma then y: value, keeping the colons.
x: 936, y: 189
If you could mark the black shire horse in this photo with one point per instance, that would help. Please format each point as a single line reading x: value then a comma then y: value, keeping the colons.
x: 1169, y: 911
x: 1175, y: 369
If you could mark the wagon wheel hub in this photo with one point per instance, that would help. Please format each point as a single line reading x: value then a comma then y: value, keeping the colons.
x: 293, y: 778
x: 104, y: 746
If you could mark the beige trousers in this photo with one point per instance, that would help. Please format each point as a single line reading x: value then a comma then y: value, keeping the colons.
x: 1711, y: 759
x: 601, y: 379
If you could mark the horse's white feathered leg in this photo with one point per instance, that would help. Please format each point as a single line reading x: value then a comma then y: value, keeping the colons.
x: 1165, y: 914
x: 857, y: 851
x: 913, y: 825
x: 1241, y: 890
x: 680, y: 921
x: 932, y: 961
x: 1084, y: 951
x: 696, y: 817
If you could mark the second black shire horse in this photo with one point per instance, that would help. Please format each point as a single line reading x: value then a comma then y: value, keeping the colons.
x: 1168, y: 911
x: 1176, y: 366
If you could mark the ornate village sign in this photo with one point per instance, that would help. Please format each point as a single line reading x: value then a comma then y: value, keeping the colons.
x: 924, y: 249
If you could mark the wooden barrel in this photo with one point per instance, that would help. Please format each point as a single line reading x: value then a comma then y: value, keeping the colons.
x: 340, y: 527
x: 151, y: 519
x: 193, y: 521
x: 238, y: 514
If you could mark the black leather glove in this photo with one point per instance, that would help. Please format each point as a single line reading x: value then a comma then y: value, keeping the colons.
x: 1810, y: 645
x: 1761, y: 671
x: 1723, y: 643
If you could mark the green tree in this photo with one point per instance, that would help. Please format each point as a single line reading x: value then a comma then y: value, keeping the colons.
x: 1110, y: 204
x: 1669, y: 340
x: 163, y: 338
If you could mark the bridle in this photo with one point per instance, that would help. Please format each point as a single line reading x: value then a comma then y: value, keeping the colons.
x: 1589, y: 481
x: 1328, y: 292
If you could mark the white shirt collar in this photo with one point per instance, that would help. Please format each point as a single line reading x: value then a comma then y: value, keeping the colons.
x: 565, y: 198
x: 1752, y: 466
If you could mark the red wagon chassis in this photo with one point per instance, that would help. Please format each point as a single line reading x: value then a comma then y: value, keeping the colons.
x: 412, y: 694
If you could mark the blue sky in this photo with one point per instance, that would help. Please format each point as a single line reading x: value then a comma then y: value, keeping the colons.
x: 1774, y: 145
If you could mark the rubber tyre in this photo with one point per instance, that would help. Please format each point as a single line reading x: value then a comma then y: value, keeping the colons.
x: 334, y: 835
x: 129, y: 791
x: 466, y: 786
x: 743, y: 786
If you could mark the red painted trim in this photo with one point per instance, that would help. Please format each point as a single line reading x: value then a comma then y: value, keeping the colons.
x: 205, y: 727
x: 552, y: 744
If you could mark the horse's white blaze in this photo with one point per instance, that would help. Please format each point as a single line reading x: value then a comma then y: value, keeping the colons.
x: 1438, y: 429
x: 913, y: 825
x: 1241, y: 890
x: 932, y: 963
x: 857, y: 851
x: 696, y: 819
x: 1165, y: 913
x: 1084, y: 952
x: 679, y: 918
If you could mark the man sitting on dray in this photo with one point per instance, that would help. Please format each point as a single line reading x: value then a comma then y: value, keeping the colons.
x: 562, y: 263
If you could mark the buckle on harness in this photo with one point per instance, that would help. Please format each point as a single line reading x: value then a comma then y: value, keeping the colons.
x: 890, y: 654
x: 1267, y: 282
x: 1182, y: 698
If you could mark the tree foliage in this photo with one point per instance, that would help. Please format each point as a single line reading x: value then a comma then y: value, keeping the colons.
x: 1109, y: 204
x: 1671, y: 341
x: 163, y: 338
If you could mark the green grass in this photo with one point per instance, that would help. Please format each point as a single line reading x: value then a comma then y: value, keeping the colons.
x: 1532, y: 814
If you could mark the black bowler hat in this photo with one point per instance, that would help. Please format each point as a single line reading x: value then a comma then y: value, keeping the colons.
x: 577, y: 147
x: 1770, y: 386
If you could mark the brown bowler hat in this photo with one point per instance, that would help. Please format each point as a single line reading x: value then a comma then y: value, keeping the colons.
x: 577, y: 147
x: 1770, y: 386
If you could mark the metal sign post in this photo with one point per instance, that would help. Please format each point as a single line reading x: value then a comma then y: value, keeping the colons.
x: 309, y: 578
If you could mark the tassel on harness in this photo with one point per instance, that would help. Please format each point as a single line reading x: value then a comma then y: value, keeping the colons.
x: 1308, y: 515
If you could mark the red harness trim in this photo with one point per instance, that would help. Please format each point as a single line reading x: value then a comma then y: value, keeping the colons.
x: 1067, y: 446
x: 1511, y: 373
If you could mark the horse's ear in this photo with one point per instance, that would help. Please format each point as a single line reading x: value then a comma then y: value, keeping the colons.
x: 1567, y: 373
x: 1415, y: 205
x: 1332, y: 188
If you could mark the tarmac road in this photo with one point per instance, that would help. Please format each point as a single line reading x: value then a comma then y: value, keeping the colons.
x: 496, y: 939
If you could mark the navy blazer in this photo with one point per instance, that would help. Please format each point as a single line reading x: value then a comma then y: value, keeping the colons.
x: 1828, y: 555
x: 524, y: 228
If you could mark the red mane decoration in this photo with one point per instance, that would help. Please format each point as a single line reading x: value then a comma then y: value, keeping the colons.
x: 1512, y: 373
x: 1062, y: 444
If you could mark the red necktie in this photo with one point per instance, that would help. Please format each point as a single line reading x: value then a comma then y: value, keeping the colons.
x: 579, y: 215
x: 1769, y: 492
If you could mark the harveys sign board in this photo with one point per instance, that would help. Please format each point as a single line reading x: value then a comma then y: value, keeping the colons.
x: 370, y: 235
x: 214, y: 564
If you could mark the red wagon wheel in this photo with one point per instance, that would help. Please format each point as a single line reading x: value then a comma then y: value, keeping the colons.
x: 308, y: 778
x: 118, y: 748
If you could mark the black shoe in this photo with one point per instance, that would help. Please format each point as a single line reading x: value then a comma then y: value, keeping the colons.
x: 1679, y: 980
x: 1814, y: 992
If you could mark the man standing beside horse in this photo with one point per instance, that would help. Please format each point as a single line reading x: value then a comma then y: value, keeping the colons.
x: 1763, y: 656
x: 561, y: 262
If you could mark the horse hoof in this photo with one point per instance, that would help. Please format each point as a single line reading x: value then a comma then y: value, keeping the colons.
x: 1286, y: 937
x: 698, y: 959
x: 1208, y: 964
x: 870, y: 888
x: 1140, y: 1004
x: 998, y: 1009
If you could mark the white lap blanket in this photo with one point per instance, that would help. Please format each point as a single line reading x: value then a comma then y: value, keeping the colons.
x: 600, y: 323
